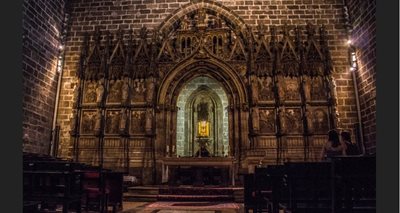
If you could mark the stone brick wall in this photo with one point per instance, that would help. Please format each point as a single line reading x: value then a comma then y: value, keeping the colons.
x: 41, y: 26
x: 133, y: 14
x: 362, y: 15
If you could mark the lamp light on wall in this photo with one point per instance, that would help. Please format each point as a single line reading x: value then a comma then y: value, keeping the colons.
x: 352, y: 58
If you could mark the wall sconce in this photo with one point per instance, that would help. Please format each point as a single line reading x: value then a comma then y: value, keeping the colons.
x: 352, y: 58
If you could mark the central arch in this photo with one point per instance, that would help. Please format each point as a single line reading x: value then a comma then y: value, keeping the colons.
x: 210, y: 91
x: 171, y: 87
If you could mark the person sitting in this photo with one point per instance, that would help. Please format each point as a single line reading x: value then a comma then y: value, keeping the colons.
x: 351, y: 148
x: 333, y: 147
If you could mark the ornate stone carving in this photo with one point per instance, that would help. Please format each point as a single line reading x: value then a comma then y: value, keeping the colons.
x: 90, y: 92
x: 282, y: 120
x: 317, y: 89
x: 112, y: 119
x: 100, y: 91
x: 125, y: 88
x: 254, y: 88
x: 306, y: 88
x: 97, y: 123
x: 267, y: 121
x: 292, y: 89
x: 114, y: 95
x: 138, y: 122
x: 266, y: 89
x: 294, y: 121
x: 150, y: 89
x: 309, y: 120
x: 123, y: 120
x: 320, y: 121
x: 281, y: 86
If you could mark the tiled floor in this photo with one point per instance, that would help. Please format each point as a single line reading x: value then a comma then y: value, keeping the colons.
x: 181, y: 207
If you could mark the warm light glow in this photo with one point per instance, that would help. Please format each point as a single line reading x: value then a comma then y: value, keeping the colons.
x: 203, y: 129
x: 349, y: 41
x: 61, y: 47
x: 352, y: 68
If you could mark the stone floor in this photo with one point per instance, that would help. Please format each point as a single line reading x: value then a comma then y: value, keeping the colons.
x: 181, y: 207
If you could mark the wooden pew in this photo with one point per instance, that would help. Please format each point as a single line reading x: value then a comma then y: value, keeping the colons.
x: 310, y: 187
x: 355, y: 183
x: 52, y: 182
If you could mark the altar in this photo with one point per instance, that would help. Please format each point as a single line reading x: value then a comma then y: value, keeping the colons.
x: 198, y: 171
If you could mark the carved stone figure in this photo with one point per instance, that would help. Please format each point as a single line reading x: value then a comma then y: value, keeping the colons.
x: 185, y: 23
x: 125, y: 90
x: 100, y: 91
x: 114, y: 94
x: 332, y: 88
x: 113, y: 122
x: 281, y: 88
x: 150, y: 90
x: 254, y: 88
x: 293, y: 120
x: 255, y: 118
x: 97, y: 123
x: 317, y: 89
x: 122, y: 120
x: 90, y: 93
x: 307, y: 88
x: 282, y: 120
x: 310, y: 120
x: 320, y: 121
x: 266, y: 89
x: 292, y: 89
x: 267, y: 121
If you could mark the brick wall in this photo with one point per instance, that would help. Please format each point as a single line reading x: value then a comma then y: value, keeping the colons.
x: 362, y: 15
x: 41, y: 25
x: 133, y: 14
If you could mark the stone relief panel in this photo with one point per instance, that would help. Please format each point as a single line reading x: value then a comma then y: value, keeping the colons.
x: 294, y: 122
x: 89, y: 92
x: 266, y: 86
x: 138, y: 91
x: 114, y: 94
x: 317, y: 90
x: 320, y: 120
x: 267, y: 121
x: 138, y: 121
x: 89, y: 121
x: 112, y: 121
x: 292, y: 89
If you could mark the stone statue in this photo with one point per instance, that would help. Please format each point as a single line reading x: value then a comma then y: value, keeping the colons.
x: 309, y: 120
x: 255, y: 118
x: 307, y: 88
x: 185, y: 23
x: 254, y: 88
x: 97, y: 123
x: 122, y: 120
x: 125, y: 90
x: 150, y: 90
x: 149, y: 120
x: 282, y: 120
x: 332, y: 88
x: 100, y: 91
x: 281, y: 88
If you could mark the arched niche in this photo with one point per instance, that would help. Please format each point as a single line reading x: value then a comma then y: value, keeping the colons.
x: 202, y: 89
